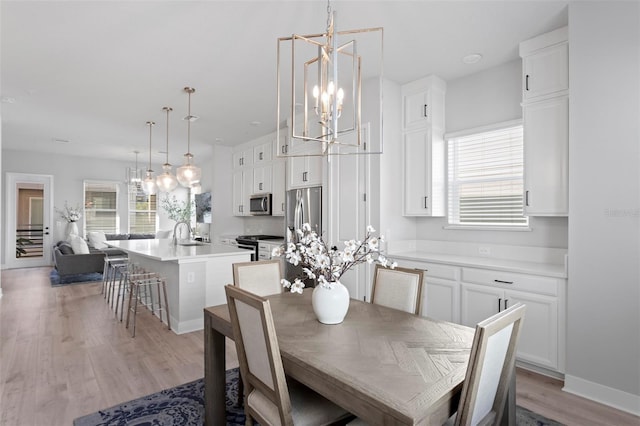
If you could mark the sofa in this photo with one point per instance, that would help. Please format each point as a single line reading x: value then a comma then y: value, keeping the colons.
x: 86, y: 258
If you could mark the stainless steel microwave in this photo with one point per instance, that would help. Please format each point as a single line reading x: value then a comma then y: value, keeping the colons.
x: 260, y: 204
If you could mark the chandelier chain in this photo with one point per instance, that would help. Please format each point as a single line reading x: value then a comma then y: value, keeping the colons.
x: 328, y: 16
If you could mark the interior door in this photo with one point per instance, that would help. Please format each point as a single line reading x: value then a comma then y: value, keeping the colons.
x: 29, y: 211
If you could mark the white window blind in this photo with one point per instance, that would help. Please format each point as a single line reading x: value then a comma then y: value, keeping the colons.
x: 101, y: 207
x: 486, y: 178
x: 142, y: 212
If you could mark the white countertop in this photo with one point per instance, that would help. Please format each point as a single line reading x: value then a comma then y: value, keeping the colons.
x: 164, y: 250
x: 548, y: 262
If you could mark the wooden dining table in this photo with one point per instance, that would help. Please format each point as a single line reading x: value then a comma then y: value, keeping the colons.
x: 383, y: 365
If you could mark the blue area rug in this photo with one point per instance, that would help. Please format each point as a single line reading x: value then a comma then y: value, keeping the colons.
x: 58, y: 280
x: 184, y: 406
x: 179, y: 406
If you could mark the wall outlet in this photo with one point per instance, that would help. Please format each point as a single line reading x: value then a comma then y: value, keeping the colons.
x: 191, y: 277
x: 484, y: 251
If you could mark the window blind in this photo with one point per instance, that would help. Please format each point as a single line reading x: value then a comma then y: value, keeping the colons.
x: 142, y: 212
x: 101, y: 207
x: 485, y: 177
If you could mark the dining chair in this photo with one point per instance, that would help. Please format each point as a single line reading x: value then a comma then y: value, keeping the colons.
x: 270, y: 397
x: 399, y: 288
x: 490, y: 369
x: 489, y: 372
x: 261, y: 277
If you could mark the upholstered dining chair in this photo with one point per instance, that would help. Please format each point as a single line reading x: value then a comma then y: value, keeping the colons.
x: 489, y: 372
x: 270, y: 398
x: 261, y: 277
x: 490, y: 369
x: 399, y: 288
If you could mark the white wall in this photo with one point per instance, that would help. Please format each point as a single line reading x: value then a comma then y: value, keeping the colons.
x: 603, y: 333
x: 480, y: 99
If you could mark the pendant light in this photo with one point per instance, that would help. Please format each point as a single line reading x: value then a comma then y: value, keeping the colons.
x: 134, y: 175
x: 167, y: 182
x: 188, y: 174
x: 149, y: 183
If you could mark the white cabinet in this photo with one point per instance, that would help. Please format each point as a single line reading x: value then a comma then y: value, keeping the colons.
x: 304, y: 171
x: 424, y: 173
x: 546, y: 152
x: 545, y: 65
x: 262, y: 153
x: 278, y: 189
x: 242, y: 190
x: 545, y: 94
x: 440, y: 292
x: 484, y: 293
x: 242, y: 158
x: 262, y: 179
x: 423, y: 147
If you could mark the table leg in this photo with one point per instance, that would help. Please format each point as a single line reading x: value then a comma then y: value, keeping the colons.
x: 214, y: 375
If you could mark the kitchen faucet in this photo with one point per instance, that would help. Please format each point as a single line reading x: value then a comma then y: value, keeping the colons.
x: 175, y: 229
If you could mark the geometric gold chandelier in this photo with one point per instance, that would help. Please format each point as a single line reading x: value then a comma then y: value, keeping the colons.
x: 320, y: 80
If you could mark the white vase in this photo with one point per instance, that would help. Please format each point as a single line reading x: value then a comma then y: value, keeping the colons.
x: 330, y: 304
x: 72, y: 229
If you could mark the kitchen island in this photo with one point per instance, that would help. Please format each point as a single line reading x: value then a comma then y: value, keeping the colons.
x: 196, y: 275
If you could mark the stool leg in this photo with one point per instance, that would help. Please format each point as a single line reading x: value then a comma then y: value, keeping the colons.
x: 166, y: 302
x: 132, y: 290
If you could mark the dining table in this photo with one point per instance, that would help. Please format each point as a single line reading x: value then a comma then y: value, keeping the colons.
x: 386, y: 366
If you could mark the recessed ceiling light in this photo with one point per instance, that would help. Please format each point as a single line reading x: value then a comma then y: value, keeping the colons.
x: 256, y: 123
x: 8, y: 100
x: 472, y: 58
x: 60, y: 140
x: 191, y: 118
x: 218, y: 140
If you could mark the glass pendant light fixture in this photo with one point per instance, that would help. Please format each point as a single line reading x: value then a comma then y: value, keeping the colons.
x: 189, y: 174
x: 167, y: 182
x: 149, y: 183
x: 134, y: 175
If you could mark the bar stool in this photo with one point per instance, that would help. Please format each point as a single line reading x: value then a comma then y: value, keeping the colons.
x: 109, y: 272
x: 141, y: 292
x: 128, y: 272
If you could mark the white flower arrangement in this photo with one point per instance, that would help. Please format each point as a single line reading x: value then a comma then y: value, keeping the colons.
x: 327, y: 264
x: 70, y: 214
x: 177, y: 210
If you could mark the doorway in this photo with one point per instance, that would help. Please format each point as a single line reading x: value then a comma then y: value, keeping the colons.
x: 29, y: 209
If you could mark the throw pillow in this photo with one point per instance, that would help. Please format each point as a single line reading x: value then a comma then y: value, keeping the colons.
x: 97, y: 239
x: 79, y: 245
x: 65, y: 247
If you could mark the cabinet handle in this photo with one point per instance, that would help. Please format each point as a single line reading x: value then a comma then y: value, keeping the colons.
x: 425, y: 203
x: 506, y: 301
x: 304, y: 176
x: 526, y: 82
x: 500, y: 304
x: 260, y: 156
x: 502, y: 282
x: 425, y: 111
x: 260, y: 186
x: 282, y: 206
x: 526, y: 198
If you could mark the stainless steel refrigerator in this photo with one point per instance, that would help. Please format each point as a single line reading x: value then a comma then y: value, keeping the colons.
x: 301, y: 206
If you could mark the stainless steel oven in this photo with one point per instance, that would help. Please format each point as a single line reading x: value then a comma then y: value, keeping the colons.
x: 250, y: 242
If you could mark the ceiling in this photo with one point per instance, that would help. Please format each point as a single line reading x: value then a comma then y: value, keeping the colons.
x: 93, y: 72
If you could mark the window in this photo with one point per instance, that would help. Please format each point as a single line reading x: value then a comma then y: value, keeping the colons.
x: 485, y: 177
x: 101, y: 207
x: 142, y: 212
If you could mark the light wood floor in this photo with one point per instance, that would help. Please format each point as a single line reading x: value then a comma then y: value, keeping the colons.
x: 64, y: 355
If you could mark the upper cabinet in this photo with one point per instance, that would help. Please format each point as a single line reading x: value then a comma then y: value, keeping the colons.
x: 242, y: 158
x: 545, y: 65
x: 423, y: 147
x: 545, y: 111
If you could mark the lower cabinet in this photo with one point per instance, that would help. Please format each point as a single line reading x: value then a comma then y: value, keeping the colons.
x: 470, y: 295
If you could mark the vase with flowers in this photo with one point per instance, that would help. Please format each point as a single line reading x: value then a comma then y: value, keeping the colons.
x: 71, y: 215
x: 326, y: 265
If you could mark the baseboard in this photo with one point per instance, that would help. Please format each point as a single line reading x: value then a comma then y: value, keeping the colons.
x: 603, y: 394
x: 539, y: 370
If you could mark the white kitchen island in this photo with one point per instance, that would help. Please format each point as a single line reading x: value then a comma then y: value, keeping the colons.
x: 195, y: 274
